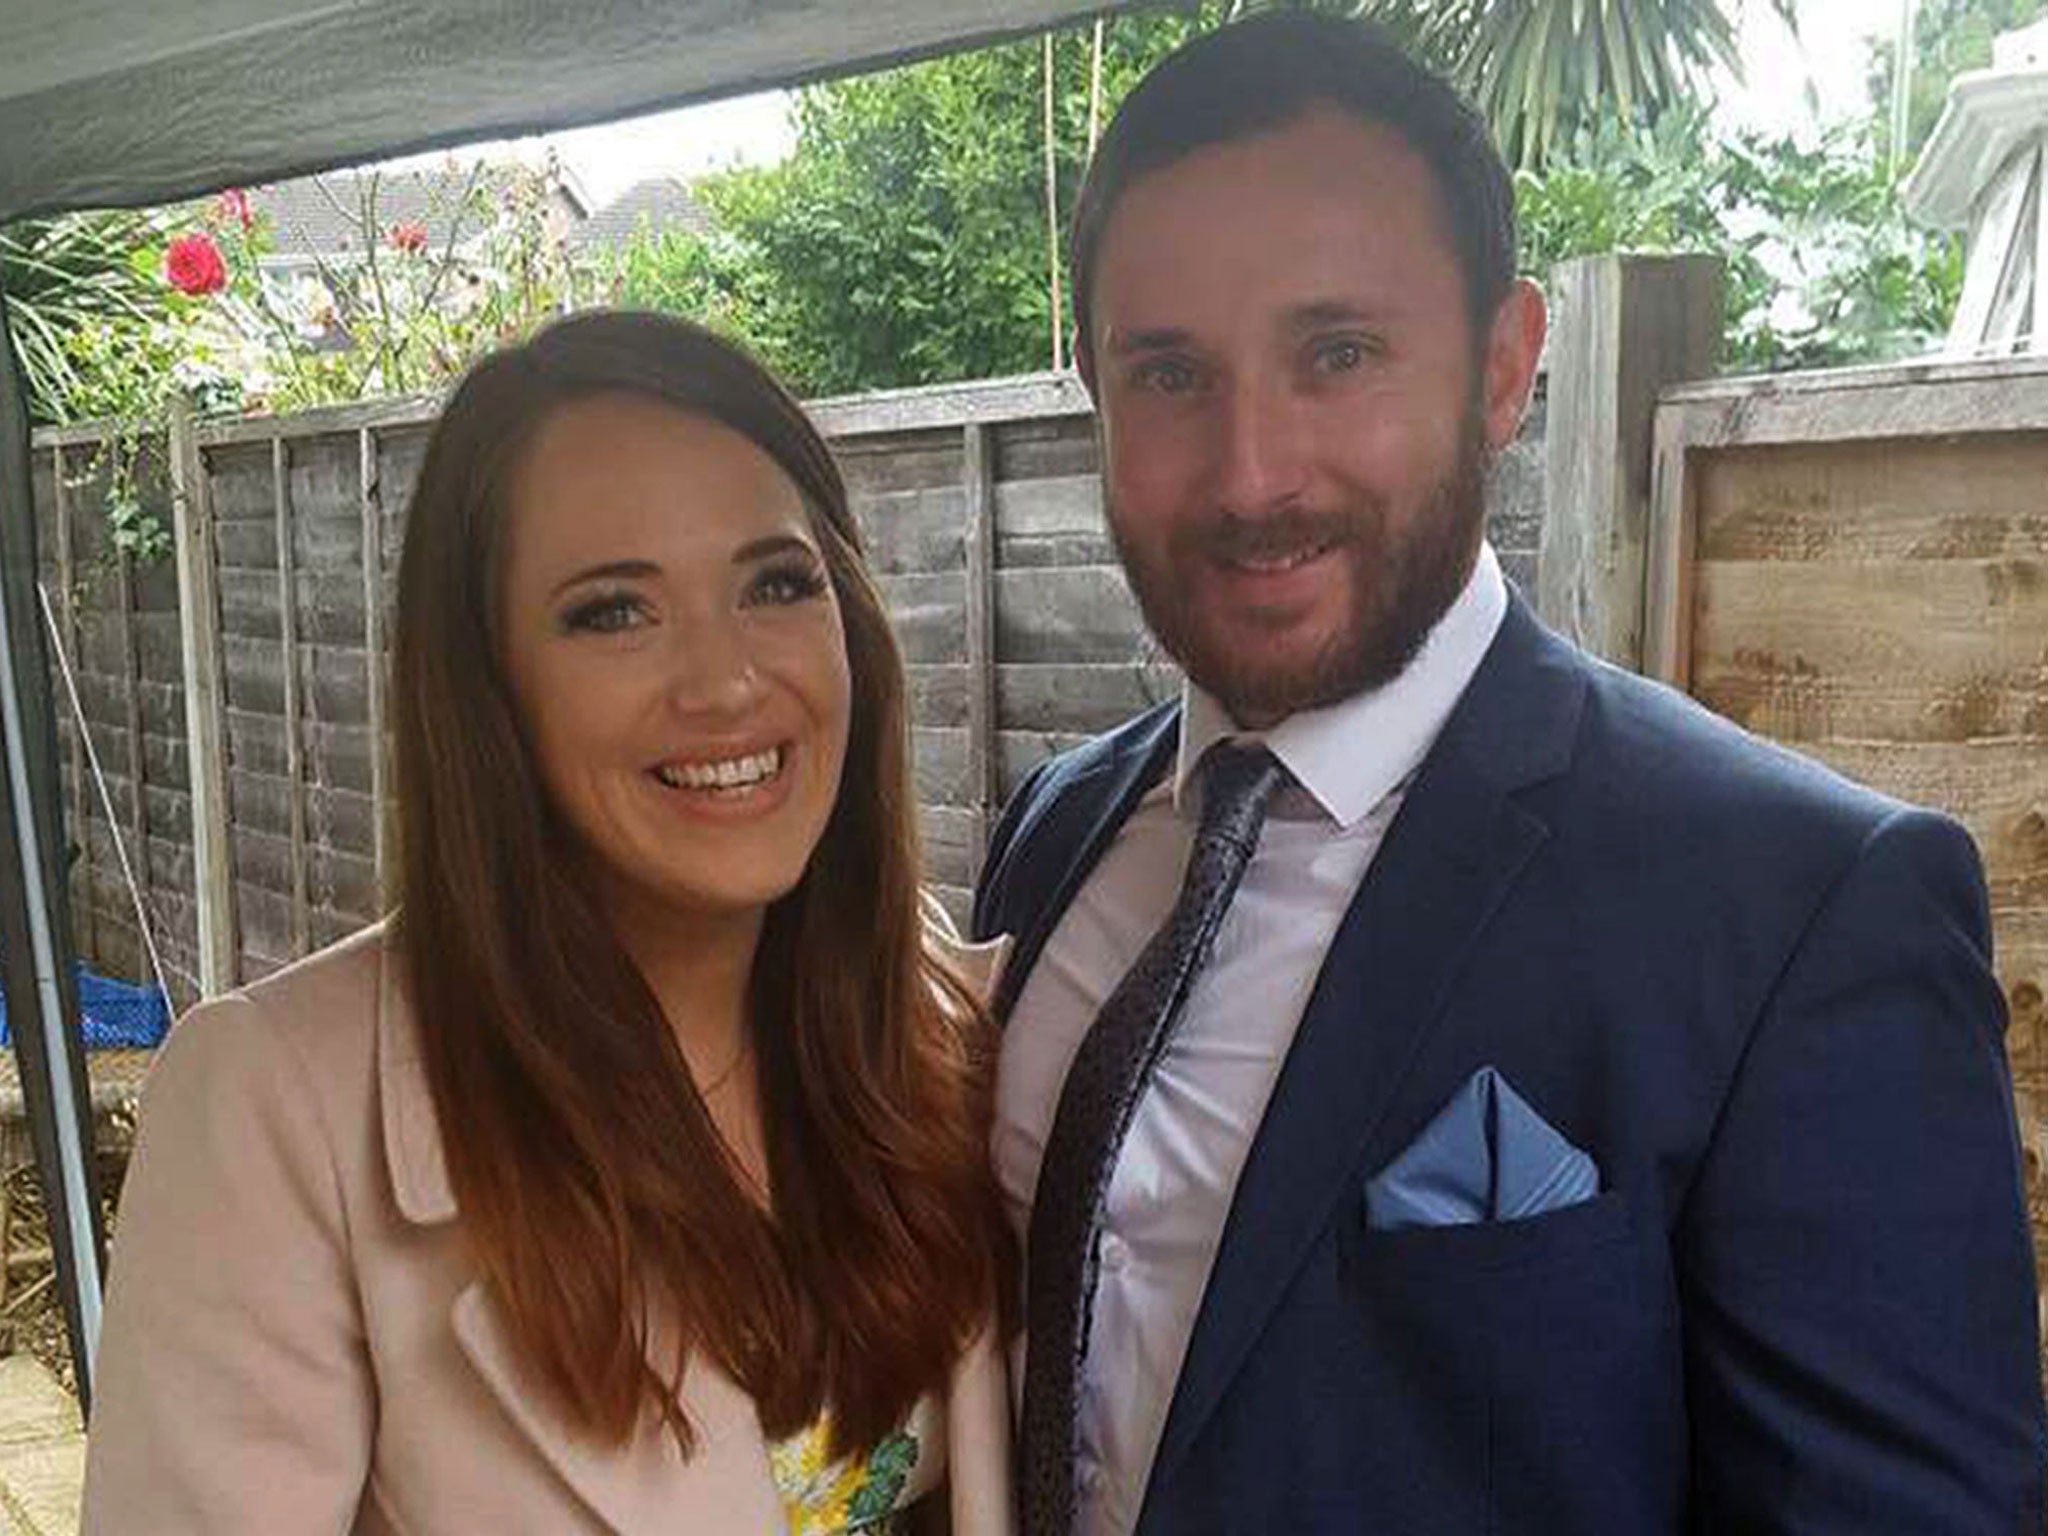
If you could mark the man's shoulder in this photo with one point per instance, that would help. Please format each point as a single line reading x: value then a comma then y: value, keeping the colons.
x: 1649, y: 748
x: 1059, y: 799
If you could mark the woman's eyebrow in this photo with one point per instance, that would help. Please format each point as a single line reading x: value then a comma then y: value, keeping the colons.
x: 774, y: 544
x: 613, y: 570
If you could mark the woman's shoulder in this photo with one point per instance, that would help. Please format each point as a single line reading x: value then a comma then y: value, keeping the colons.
x: 308, y: 1027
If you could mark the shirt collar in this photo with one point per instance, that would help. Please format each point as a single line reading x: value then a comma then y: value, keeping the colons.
x: 1352, y: 754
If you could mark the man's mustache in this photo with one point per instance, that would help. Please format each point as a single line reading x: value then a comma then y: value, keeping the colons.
x: 1272, y: 536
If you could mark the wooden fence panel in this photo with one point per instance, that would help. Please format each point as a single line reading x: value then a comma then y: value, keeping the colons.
x: 1875, y: 594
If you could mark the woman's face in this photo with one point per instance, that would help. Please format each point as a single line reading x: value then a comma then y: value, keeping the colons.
x: 676, y: 652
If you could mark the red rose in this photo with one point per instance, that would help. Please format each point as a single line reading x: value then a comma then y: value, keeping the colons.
x: 234, y: 204
x: 194, y: 266
x: 410, y: 238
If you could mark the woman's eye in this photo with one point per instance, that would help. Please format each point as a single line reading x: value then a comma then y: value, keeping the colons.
x: 606, y: 615
x: 781, y: 585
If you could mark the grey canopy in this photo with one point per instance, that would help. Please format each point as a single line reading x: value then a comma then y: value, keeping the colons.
x: 109, y: 103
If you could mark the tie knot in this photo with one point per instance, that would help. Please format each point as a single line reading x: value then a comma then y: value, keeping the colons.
x: 1238, y: 782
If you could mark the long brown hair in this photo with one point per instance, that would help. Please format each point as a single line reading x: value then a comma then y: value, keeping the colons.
x: 593, y: 1187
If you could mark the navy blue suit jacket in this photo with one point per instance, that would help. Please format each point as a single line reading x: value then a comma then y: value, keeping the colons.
x: 1760, y: 997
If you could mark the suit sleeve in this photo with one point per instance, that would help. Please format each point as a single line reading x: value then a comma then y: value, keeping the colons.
x: 234, y: 1392
x: 1860, y: 1308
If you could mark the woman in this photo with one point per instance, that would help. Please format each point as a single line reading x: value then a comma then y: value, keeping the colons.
x: 632, y: 1178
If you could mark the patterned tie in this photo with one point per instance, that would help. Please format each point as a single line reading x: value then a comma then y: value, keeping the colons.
x: 1101, y: 1096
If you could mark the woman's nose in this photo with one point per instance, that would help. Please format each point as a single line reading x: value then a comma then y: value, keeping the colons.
x: 711, y: 669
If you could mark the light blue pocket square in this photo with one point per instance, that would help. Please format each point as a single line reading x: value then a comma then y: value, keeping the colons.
x: 1487, y: 1156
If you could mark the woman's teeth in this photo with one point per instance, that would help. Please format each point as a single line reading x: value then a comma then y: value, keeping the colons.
x: 732, y: 775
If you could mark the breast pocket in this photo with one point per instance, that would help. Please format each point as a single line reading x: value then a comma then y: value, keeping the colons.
x: 1543, y: 1351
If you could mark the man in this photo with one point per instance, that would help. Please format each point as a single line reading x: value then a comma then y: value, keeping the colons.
x: 1450, y: 1085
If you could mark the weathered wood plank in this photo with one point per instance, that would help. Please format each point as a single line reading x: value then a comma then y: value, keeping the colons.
x: 1624, y: 327
x: 328, y: 421
x: 913, y: 461
x: 929, y: 613
x: 1082, y: 614
x: 1996, y: 789
x: 1052, y: 522
x: 1045, y: 447
x: 337, y: 755
x: 951, y: 863
x: 329, y: 604
x: 941, y: 767
x: 372, y: 462
x: 912, y: 531
x: 1980, y: 497
x: 67, y: 636
x: 340, y: 881
x: 1928, y: 650
x: 337, y: 818
x: 131, y: 705
x: 165, y: 764
x: 265, y: 929
x: 950, y: 406
x: 205, y: 701
x: 937, y: 695
x: 246, y: 546
x: 978, y: 487
x: 1079, y: 697
x: 1850, y: 405
x: 335, y: 682
x: 950, y: 826
x: 283, y: 478
x: 238, y: 478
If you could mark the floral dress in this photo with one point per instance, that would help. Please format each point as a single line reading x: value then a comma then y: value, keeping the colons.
x: 859, y: 1495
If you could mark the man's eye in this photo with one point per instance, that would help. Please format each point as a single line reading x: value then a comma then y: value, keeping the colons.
x: 782, y: 585
x: 605, y: 615
x: 1165, y: 376
x: 1343, y: 354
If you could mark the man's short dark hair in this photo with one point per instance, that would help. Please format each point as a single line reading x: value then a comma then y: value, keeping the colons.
x: 1258, y: 75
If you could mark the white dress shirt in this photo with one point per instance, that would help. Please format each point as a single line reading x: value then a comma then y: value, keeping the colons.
x: 1193, y: 1131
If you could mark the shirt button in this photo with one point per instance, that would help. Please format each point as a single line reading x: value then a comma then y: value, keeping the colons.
x: 1116, y: 1253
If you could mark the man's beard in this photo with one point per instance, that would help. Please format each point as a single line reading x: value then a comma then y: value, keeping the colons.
x: 1402, y: 582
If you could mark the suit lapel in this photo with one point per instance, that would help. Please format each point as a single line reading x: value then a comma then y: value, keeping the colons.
x: 1454, y: 852
x: 1081, y: 818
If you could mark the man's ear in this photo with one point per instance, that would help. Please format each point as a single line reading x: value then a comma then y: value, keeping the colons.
x: 1084, y: 363
x: 1514, y: 348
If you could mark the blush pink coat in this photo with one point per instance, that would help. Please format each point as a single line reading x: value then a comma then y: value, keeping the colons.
x: 296, y: 1341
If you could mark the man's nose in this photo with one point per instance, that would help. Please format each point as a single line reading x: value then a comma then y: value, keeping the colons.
x: 1263, y: 448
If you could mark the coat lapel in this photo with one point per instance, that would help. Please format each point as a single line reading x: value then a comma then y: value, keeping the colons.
x: 1451, y: 857
x: 1081, y: 819
x: 637, y: 1489
x: 644, y: 1486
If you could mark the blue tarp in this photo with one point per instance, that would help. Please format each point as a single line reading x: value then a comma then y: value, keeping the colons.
x: 118, y: 1015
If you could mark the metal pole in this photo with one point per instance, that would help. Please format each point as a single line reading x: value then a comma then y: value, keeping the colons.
x: 35, y: 929
x: 1902, y: 87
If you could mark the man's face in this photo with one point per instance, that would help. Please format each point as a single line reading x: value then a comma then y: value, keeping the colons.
x: 1295, y: 419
